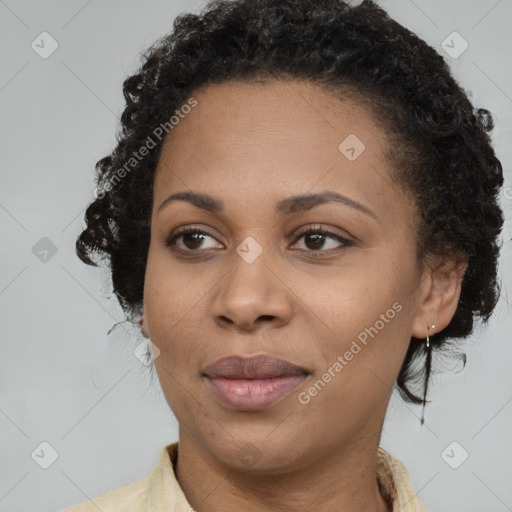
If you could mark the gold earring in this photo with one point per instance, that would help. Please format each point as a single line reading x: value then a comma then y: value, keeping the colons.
x: 428, y: 338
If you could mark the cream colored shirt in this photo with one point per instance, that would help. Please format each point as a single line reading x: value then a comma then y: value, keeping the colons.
x: 160, y: 491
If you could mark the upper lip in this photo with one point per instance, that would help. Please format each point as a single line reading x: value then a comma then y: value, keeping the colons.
x: 255, y: 367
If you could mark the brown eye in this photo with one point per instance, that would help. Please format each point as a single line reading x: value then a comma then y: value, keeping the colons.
x: 315, y: 240
x: 192, y: 239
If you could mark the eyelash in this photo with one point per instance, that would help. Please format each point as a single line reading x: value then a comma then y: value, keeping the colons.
x: 171, y: 241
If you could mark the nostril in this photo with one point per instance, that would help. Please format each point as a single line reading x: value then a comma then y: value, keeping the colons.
x: 266, y: 317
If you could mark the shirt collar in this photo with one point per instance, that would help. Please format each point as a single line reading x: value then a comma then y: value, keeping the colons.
x: 164, y: 491
x: 395, y: 485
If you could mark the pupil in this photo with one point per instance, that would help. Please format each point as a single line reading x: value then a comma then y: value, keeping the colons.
x: 195, y: 243
x: 317, y: 241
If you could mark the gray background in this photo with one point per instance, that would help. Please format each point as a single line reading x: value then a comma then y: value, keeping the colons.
x: 64, y: 381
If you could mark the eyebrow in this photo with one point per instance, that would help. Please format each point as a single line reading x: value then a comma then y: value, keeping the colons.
x: 288, y: 206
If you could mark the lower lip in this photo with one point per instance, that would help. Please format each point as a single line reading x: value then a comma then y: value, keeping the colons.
x: 254, y: 394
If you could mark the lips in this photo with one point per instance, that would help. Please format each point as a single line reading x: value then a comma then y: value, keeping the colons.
x: 253, y: 383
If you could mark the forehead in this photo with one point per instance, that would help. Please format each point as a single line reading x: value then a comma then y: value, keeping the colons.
x: 276, y: 111
x: 269, y: 138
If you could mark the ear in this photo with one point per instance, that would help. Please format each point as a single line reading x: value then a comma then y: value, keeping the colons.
x: 440, y: 292
x: 144, y: 324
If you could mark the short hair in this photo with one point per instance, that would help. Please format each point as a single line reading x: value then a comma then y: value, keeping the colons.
x: 442, y: 153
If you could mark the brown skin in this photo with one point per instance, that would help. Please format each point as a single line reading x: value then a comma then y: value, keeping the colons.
x: 251, y: 146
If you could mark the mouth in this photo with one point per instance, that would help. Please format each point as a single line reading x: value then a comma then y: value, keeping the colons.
x: 253, y: 383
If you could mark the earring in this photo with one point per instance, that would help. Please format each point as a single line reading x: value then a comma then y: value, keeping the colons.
x: 428, y: 338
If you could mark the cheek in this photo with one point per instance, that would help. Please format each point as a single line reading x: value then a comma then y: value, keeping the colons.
x: 358, y: 368
x: 173, y: 305
x: 369, y: 310
x: 352, y: 298
x: 168, y: 296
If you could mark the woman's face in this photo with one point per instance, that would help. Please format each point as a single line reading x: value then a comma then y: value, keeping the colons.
x: 267, y: 167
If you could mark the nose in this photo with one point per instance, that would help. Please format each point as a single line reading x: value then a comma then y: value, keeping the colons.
x: 252, y: 296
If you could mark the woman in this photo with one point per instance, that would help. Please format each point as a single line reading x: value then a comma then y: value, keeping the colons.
x: 301, y: 208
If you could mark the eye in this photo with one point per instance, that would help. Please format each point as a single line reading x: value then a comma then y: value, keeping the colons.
x: 315, y: 240
x: 191, y: 239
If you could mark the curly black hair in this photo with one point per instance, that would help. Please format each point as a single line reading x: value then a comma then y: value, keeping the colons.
x: 442, y: 152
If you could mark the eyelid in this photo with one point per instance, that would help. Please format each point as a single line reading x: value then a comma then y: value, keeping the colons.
x: 324, y: 230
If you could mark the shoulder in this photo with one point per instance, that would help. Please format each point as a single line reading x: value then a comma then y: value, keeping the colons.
x: 129, y: 498
x: 158, y: 490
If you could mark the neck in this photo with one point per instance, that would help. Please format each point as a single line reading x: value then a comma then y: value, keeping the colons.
x: 343, y: 479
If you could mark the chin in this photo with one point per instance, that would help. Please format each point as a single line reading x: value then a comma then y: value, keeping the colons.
x: 258, y: 450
